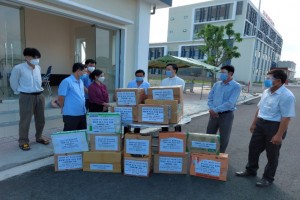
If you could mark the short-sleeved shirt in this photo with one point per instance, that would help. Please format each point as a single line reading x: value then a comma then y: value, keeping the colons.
x: 280, y: 103
x: 133, y: 84
x: 173, y: 82
x: 73, y: 91
x: 86, y: 82
x: 223, y: 97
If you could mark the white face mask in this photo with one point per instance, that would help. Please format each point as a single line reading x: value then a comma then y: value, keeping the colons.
x: 91, y: 69
x: 35, y: 61
x: 101, y: 79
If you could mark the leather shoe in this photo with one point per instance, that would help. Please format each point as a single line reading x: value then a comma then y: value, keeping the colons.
x: 244, y: 174
x: 263, y: 183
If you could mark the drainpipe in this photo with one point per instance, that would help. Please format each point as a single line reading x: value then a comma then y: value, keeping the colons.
x: 153, y: 10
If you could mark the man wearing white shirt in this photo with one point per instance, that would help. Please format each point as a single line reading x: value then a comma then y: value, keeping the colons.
x: 26, y: 80
x: 172, y: 79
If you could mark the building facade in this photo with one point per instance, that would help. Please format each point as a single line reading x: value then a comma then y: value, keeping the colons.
x: 115, y: 33
x: 261, y: 46
x: 289, y: 67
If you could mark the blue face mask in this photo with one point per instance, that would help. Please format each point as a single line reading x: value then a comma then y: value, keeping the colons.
x: 168, y: 73
x: 223, y: 76
x: 139, y: 78
x: 268, y: 83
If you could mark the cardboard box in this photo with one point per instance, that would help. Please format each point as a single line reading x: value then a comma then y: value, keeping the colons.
x: 137, y: 166
x: 130, y: 96
x: 209, y: 166
x: 176, y: 109
x: 105, y: 142
x: 170, y: 164
x: 166, y: 93
x: 68, y: 161
x: 69, y: 142
x: 172, y: 143
x: 128, y: 113
x: 102, y: 122
x: 102, y: 161
x: 136, y: 145
x: 155, y: 114
x: 203, y: 143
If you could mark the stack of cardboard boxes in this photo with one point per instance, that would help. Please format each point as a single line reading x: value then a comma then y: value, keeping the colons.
x: 105, y: 153
x: 172, y: 157
x: 206, y: 159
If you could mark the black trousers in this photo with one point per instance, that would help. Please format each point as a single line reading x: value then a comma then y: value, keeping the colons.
x: 93, y: 107
x: 72, y: 123
x: 223, y: 124
x: 259, y: 142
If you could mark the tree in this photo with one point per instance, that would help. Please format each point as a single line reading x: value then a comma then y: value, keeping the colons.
x: 219, y: 44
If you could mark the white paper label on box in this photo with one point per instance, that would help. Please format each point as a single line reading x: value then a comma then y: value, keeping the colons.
x: 152, y: 114
x: 104, y: 167
x: 69, y: 142
x: 104, y: 123
x: 171, y: 145
x: 208, y: 167
x: 134, y: 146
x: 107, y: 143
x: 126, y: 98
x: 136, y: 167
x: 170, y: 164
x: 204, y: 145
x: 73, y: 161
x: 126, y: 113
x: 165, y: 94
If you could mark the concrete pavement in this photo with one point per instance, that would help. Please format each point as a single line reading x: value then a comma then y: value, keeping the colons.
x: 14, y: 161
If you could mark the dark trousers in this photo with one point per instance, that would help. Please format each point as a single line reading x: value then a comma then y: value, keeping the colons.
x: 224, y: 124
x: 31, y: 105
x: 93, y: 107
x: 72, y: 123
x: 259, y: 142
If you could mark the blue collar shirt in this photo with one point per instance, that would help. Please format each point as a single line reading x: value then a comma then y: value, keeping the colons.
x: 280, y: 103
x: 86, y: 82
x: 133, y: 84
x: 73, y: 92
x: 223, y: 97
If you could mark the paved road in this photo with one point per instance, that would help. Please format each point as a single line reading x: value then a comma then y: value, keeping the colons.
x: 45, y: 184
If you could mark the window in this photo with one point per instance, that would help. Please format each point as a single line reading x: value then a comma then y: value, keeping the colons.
x: 239, y: 8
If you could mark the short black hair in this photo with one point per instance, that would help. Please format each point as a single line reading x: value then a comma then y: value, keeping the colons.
x: 77, y: 66
x: 278, y: 74
x: 229, y: 68
x: 140, y: 71
x: 174, y: 66
x: 96, y: 72
x: 88, y: 61
x: 31, y: 52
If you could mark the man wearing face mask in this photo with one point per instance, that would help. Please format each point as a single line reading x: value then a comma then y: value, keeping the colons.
x: 71, y: 100
x: 172, y: 79
x: 269, y: 126
x: 139, y: 82
x: 26, y: 80
x: 222, y: 102
x: 91, y: 66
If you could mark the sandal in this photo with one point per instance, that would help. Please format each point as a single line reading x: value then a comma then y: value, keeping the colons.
x: 24, y: 147
x: 43, y: 141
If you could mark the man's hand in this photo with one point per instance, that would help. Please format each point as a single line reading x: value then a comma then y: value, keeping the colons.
x: 252, y: 127
x: 276, y: 139
x: 213, y: 114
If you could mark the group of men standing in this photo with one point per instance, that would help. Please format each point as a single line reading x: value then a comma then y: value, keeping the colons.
x: 269, y: 126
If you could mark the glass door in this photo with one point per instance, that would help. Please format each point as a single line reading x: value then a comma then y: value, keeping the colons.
x: 11, y: 45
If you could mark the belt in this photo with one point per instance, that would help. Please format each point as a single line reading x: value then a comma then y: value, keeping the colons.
x: 32, y: 93
x: 227, y: 111
x: 267, y: 121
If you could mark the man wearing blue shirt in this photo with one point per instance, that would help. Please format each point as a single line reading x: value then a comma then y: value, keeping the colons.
x: 91, y: 66
x: 71, y: 100
x: 222, y: 102
x: 269, y: 126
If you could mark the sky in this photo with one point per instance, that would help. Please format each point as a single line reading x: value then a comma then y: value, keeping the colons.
x: 284, y: 14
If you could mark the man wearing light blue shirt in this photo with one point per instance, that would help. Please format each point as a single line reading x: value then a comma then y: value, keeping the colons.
x: 139, y: 81
x: 71, y: 100
x: 91, y: 66
x: 222, y: 102
x: 275, y: 110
